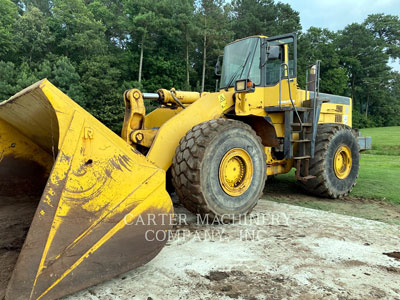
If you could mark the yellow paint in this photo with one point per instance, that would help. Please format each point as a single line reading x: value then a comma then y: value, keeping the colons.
x: 286, y: 50
x: 276, y: 166
x: 183, y: 96
x: 13, y: 142
x: 250, y: 103
x: 58, y: 174
x: 93, y: 173
x: 143, y: 137
x: 134, y: 113
x: 236, y: 172
x: 168, y: 136
x: 141, y: 208
x: 331, y: 112
x: 222, y: 101
x: 159, y: 116
x: 62, y: 210
x: 336, y: 113
x: 174, y: 124
x: 342, y: 162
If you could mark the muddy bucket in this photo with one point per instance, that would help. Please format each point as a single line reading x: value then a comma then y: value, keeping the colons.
x: 78, y: 205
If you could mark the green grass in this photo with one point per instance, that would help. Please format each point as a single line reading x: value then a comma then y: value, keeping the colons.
x: 379, y: 178
x: 361, y: 208
x: 380, y: 167
x: 377, y: 193
x: 385, y: 140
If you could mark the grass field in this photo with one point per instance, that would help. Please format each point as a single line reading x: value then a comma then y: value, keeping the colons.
x: 385, y: 140
x: 379, y: 178
x: 377, y: 193
x: 380, y: 167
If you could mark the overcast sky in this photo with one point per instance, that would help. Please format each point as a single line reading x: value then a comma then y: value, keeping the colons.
x: 336, y: 14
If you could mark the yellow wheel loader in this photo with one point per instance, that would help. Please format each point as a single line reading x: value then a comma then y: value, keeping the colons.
x: 86, y: 205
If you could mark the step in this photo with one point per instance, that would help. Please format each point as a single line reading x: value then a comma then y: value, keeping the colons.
x: 302, y: 131
x: 301, y: 141
x: 303, y: 124
x: 302, y: 157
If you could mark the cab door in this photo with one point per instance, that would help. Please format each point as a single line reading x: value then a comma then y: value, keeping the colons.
x: 281, y: 68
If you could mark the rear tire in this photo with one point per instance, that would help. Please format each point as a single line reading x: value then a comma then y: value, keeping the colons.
x: 205, y: 165
x: 335, y: 164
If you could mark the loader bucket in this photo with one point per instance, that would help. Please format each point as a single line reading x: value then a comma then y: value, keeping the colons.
x: 91, y: 204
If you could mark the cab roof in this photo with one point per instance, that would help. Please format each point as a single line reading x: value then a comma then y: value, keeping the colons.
x: 247, y: 37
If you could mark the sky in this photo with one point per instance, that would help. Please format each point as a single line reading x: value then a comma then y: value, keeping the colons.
x: 336, y: 14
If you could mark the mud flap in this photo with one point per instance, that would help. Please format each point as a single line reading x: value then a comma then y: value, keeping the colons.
x: 103, y: 207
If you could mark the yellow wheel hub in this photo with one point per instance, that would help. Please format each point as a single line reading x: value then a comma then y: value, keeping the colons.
x: 236, y: 172
x: 342, y: 162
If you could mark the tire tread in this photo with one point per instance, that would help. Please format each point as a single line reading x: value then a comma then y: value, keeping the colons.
x: 320, y: 185
x: 186, y: 165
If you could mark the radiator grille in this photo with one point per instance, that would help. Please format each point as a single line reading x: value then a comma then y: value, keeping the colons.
x: 339, y: 108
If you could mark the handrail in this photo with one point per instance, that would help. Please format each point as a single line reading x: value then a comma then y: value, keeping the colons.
x: 286, y: 68
x: 314, y: 105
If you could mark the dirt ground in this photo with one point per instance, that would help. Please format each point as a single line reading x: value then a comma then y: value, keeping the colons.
x: 16, y: 214
x: 279, y: 252
x: 283, y: 190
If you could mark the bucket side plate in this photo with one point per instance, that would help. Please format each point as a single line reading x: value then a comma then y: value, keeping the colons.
x: 101, y: 201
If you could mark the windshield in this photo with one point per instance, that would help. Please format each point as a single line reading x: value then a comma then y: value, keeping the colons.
x: 241, y: 61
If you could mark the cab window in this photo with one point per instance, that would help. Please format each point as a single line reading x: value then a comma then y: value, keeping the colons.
x: 273, y: 67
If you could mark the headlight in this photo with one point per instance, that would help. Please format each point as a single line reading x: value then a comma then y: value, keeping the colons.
x: 244, y: 86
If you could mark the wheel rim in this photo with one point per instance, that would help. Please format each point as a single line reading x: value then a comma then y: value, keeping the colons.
x: 236, y: 172
x: 342, y: 162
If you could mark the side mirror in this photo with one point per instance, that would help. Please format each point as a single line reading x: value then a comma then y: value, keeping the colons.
x: 218, y: 66
x: 273, y: 52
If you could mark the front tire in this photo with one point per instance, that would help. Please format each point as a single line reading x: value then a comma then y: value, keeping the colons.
x: 335, y: 164
x: 219, y: 169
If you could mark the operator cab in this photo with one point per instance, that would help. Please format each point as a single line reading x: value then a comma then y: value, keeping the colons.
x: 258, y: 61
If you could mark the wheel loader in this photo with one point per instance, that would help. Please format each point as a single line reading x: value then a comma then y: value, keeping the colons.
x: 79, y: 189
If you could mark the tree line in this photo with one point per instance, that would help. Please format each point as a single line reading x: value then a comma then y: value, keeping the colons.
x: 93, y: 50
